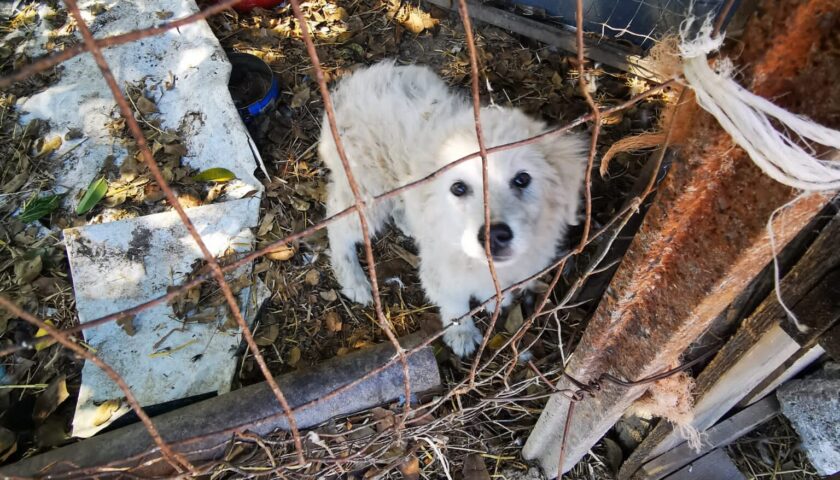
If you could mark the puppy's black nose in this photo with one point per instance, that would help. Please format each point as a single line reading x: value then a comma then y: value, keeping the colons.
x: 500, y: 237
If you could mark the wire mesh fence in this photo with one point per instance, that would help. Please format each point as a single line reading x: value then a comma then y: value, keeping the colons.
x: 637, y: 24
x: 490, y: 381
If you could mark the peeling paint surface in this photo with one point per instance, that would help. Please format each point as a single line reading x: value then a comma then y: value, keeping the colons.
x: 121, y: 264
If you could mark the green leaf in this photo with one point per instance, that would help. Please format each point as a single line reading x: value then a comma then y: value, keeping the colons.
x: 215, y: 175
x: 39, y: 207
x: 95, y: 192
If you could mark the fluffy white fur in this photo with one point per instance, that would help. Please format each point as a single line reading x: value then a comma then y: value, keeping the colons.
x: 400, y: 123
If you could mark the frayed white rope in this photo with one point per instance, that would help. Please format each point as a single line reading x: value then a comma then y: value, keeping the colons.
x: 777, y: 277
x: 747, y: 118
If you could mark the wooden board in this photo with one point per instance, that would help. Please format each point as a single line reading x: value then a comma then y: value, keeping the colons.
x: 762, y: 344
x: 795, y: 364
x: 718, y: 436
x: 716, y: 465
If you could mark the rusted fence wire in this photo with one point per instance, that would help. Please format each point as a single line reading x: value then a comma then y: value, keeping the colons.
x: 176, y: 452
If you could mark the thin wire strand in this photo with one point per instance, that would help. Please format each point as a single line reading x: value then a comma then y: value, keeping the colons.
x: 359, y: 202
x: 485, y: 185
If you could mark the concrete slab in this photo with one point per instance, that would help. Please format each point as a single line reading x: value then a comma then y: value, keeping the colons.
x: 199, y: 105
x: 813, y: 407
x: 121, y: 264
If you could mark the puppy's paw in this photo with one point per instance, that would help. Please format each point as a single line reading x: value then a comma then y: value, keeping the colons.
x: 359, y: 293
x: 463, y: 338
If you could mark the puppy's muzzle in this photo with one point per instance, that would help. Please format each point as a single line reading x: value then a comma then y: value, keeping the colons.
x: 501, y: 237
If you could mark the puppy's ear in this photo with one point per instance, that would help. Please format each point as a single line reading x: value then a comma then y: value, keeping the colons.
x: 567, y: 155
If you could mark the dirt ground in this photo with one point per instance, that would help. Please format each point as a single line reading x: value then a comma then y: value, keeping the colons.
x: 305, y: 320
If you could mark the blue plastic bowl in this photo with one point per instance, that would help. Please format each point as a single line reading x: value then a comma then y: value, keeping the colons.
x: 252, y: 85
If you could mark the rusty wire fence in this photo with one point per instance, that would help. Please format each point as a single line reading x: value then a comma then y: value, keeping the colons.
x: 484, y: 370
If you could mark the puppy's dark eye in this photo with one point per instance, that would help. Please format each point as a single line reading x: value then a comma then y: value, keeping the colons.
x: 459, y: 189
x: 521, y: 180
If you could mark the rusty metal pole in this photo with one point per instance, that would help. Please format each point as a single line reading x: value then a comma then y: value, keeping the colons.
x: 704, y: 238
x: 202, y: 432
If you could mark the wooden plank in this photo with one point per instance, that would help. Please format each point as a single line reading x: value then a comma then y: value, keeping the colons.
x: 761, y: 345
x: 795, y: 364
x: 830, y: 341
x: 720, y: 435
x: 716, y: 465
x: 604, y: 52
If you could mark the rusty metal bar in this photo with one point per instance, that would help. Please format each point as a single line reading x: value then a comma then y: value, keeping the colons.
x: 200, y: 432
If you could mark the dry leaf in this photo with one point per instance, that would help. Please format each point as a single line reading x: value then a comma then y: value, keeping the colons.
x: 514, y: 319
x: 313, y: 277
x: 129, y: 168
x: 127, y: 324
x: 384, y: 419
x: 204, y: 316
x: 43, y: 333
x: 49, y: 286
x: 333, y: 321
x: 266, y: 224
x: 50, y: 399
x: 334, y: 13
x: 145, y: 106
x: 189, y: 200
x: 50, y: 146
x: 282, y: 253
x: 27, y: 270
x: 410, y: 468
x: 300, y: 97
x: 177, y: 149
x: 557, y: 80
x: 268, y: 335
x: 496, y: 342
x: 474, y: 468
x: 407, y: 256
x: 417, y: 20
x: 74, y: 134
x: 105, y: 411
x: 300, y: 204
x: 294, y: 356
x: 16, y: 182
x: 152, y: 193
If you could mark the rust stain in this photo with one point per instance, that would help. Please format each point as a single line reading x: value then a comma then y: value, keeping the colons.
x: 705, y: 238
x: 782, y: 37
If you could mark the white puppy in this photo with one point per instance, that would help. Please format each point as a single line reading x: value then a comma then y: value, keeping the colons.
x: 401, y: 123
